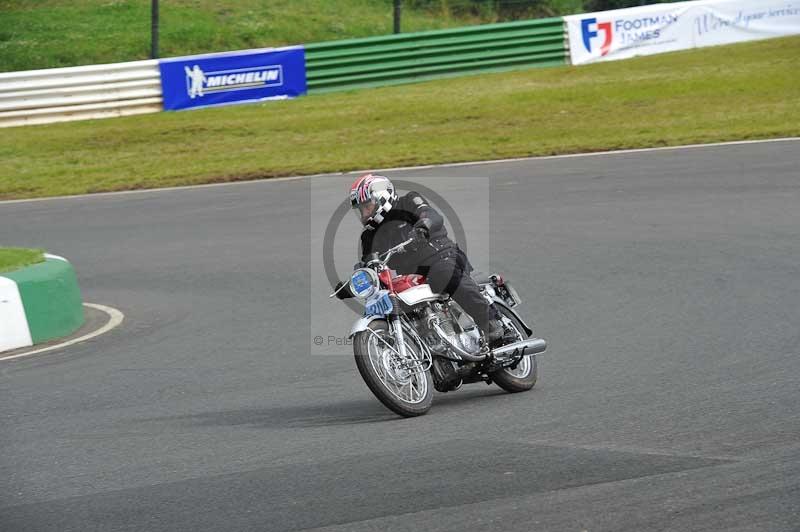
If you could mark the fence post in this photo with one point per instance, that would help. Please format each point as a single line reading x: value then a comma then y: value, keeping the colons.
x: 154, y: 29
x: 397, y: 8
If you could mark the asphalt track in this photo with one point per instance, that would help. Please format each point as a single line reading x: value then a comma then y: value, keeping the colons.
x: 667, y: 283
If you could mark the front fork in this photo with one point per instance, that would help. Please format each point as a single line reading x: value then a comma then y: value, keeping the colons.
x: 397, y: 328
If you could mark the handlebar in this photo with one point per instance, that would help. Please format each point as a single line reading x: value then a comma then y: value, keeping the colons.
x: 399, y: 248
x: 384, y: 257
x: 344, y: 285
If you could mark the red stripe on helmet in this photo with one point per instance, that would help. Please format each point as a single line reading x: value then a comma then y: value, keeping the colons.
x: 361, y: 187
x: 359, y: 181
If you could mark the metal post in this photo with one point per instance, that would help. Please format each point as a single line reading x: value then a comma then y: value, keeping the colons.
x: 154, y: 29
x: 397, y: 8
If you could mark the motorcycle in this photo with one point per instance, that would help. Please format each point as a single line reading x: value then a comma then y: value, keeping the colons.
x: 411, y: 340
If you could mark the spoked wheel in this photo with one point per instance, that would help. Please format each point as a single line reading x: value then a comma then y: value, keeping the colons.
x: 403, y: 386
x: 524, y: 376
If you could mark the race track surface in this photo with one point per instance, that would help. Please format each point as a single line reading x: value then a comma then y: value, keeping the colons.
x: 667, y: 284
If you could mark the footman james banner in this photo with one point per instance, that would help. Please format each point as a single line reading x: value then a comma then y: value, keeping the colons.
x: 658, y: 28
x: 233, y: 77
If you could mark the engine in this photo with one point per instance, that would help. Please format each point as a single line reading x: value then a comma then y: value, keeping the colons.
x: 451, y: 322
x: 456, y: 325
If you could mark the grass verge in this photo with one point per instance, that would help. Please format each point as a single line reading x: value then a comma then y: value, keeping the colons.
x: 745, y: 91
x: 16, y: 258
x: 57, y: 33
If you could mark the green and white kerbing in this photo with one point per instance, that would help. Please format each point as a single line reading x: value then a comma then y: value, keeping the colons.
x: 39, y: 303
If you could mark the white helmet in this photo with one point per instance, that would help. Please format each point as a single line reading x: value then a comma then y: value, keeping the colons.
x: 371, y: 197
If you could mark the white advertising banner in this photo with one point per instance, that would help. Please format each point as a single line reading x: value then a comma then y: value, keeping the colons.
x: 658, y: 28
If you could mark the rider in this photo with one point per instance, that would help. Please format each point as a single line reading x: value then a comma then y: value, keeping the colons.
x: 389, y: 220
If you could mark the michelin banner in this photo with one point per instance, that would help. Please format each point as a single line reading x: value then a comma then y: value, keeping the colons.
x: 233, y: 77
x: 658, y: 28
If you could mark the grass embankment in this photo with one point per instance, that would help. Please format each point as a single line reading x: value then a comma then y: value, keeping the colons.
x: 58, y: 33
x: 16, y: 258
x: 744, y: 91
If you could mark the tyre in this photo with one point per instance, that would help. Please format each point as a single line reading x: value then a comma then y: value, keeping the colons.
x: 524, y: 376
x: 402, y: 390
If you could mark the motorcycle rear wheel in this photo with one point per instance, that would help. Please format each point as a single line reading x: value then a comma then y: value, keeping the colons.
x: 524, y: 376
x: 404, y: 392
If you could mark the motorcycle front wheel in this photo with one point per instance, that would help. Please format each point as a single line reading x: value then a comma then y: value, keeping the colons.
x: 403, y: 386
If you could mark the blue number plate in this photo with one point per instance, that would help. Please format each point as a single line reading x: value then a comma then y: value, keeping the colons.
x: 379, y: 305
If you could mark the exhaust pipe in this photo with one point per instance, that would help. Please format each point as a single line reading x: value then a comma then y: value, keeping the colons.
x: 531, y: 346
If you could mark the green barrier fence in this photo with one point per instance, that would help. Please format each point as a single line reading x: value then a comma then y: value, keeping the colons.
x: 403, y: 58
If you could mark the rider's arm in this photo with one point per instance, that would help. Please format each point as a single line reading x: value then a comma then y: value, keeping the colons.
x: 423, y: 213
x: 365, y: 245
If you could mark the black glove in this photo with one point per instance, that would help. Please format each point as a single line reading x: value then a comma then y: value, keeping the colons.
x: 422, y: 229
x: 344, y: 293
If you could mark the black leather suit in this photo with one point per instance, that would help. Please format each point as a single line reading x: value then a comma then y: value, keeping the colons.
x: 440, y: 259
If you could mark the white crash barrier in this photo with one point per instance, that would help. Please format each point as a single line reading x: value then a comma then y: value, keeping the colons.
x: 79, y: 93
x: 659, y: 28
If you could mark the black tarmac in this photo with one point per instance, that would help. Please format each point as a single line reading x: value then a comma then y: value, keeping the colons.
x: 667, y: 284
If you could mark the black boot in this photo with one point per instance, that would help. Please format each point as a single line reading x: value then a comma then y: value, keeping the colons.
x: 494, y: 331
x: 509, y: 337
